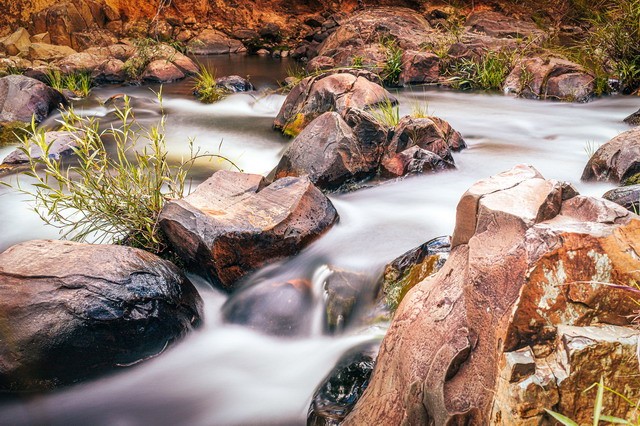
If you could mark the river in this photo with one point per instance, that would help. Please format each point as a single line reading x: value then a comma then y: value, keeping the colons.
x: 227, y: 374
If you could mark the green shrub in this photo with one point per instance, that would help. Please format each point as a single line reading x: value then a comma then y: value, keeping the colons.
x: 487, y: 73
x: 206, y: 89
x: 102, y: 197
x: 79, y: 82
x: 147, y: 49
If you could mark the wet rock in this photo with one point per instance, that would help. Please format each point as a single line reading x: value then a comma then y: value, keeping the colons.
x: 343, y: 293
x: 71, y: 311
x: 60, y: 144
x: 23, y: 97
x: 626, y: 196
x: 339, y: 92
x: 48, y: 52
x: 16, y: 43
x: 413, y: 161
x: 336, y: 396
x: 330, y: 154
x: 550, y: 78
x: 279, y: 309
x: 529, y: 267
x: 109, y: 72
x: 633, y: 119
x: 213, y: 42
x: 419, y: 68
x: 616, y: 160
x: 162, y: 71
x: 234, y: 223
x: 320, y: 63
x: 495, y: 24
x: 235, y: 83
x: 413, y: 267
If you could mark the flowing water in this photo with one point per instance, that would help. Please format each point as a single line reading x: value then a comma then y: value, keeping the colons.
x: 227, y: 374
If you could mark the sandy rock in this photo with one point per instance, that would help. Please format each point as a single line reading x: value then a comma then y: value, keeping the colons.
x: 234, y: 223
x: 529, y: 273
x: 616, y: 160
x: 72, y: 311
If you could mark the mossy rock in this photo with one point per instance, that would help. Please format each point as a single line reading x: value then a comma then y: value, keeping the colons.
x: 633, y: 180
x: 12, y: 133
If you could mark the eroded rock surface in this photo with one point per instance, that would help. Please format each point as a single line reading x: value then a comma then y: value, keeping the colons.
x: 521, y: 316
x: 616, y: 160
x: 23, y: 97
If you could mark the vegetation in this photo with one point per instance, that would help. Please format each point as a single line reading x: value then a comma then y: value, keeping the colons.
x: 420, y: 110
x: 357, y: 61
x: 392, y: 67
x: 296, y: 73
x: 11, y: 133
x: 147, y: 50
x: 387, y: 113
x: 206, y: 88
x: 487, y: 72
x: 79, y: 82
x: 107, y: 197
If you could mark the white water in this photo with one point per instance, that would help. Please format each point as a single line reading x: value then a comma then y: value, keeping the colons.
x: 229, y: 375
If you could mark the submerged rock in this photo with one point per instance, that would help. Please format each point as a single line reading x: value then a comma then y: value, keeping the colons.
x: 234, y: 223
x: 71, y: 311
x: 344, y: 292
x: 529, y: 310
x: 616, y: 160
x: 23, y: 97
x: 235, y: 83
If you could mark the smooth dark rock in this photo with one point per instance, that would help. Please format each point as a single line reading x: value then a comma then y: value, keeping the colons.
x: 23, y: 97
x: 616, y: 160
x: 626, y: 196
x: 344, y: 292
x: 235, y: 83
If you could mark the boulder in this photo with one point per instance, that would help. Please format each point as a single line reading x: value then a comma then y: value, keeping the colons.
x: 633, y: 119
x: 234, y: 83
x: 16, y: 43
x: 279, y: 309
x: 41, y: 38
x: 626, y: 196
x: 82, y: 61
x: 344, y: 293
x: 336, y: 91
x: 60, y: 144
x: 550, y: 78
x: 330, y: 154
x: 71, y: 311
x: 413, y: 161
x: 23, y: 97
x: 93, y: 38
x: 616, y: 160
x: 532, y: 307
x: 48, y: 52
x: 495, y: 24
x: 319, y: 64
x: 162, y: 71
x: 419, y: 68
x: 110, y: 71
x: 213, y: 42
x: 234, y: 223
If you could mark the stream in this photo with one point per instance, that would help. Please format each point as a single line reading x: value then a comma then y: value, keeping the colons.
x: 226, y: 374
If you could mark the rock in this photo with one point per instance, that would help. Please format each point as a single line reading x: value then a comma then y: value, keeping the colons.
x: 495, y: 24
x: 337, y: 92
x: 23, y: 97
x: 212, y: 42
x: 109, y: 72
x: 48, y: 52
x: 616, y: 160
x: 344, y: 291
x: 184, y: 63
x: 527, y: 281
x: 413, y: 267
x: 330, y: 154
x: 234, y: 83
x: 419, y: 68
x: 626, y: 196
x: 234, y: 223
x: 122, y: 52
x: 17, y: 43
x: 633, y: 119
x: 262, y: 52
x: 82, y: 61
x: 60, y: 144
x: 334, y: 399
x: 320, y: 63
x: 41, y: 38
x: 550, y: 78
x: 162, y: 71
x: 279, y: 309
x: 71, y: 311
x: 93, y: 38
x: 271, y: 32
x: 412, y: 161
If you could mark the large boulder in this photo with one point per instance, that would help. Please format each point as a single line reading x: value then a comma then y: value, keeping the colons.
x: 213, y: 42
x: 529, y: 310
x: 495, y: 24
x: 23, y: 97
x: 333, y: 91
x: 60, y: 144
x: 616, y: 160
x: 330, y: 154
x: 419, y: 68
x: 17, y: 42
x: 550, y: 78
x: 234, y: 223
x: 162, y: 71
x: 234, y: 83
x: 70, y: 311
x: 627, y: 196
x: 48, y: 52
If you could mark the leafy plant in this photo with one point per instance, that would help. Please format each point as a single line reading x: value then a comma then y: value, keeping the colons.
x: 296, y: 73
x: 147, y: 50
x: 206, y: 88
x: 357, y: 61
x: 386, y: 113
x: 392, y: 67
x: 107, y: 197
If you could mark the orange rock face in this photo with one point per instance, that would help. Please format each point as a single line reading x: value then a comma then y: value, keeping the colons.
x: 527, y: 312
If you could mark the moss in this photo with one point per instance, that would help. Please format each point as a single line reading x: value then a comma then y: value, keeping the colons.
x: 12, y: 133
x: 294, y: 126
x: 396, y: 287
x: 633, y: 180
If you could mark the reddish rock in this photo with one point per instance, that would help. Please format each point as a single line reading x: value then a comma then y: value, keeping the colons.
x: 110, y: 71
x: 616, y: 160
x: 162, y: 71
x: 212, y: 42
x: 522, y: 316
x: 412, y: 161
x: 337, y: 92
x: 234, y: 223
x: 495, y: 24
x: 419, y: 68
x: 82, y: 61
x: 320, y: 63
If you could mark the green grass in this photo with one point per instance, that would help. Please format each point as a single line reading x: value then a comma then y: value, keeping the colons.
x: 386, y: 113
x: 420, y: 110
x: 206, y: 89
x: 79, y: 82
x: 487, y: 73
x: 392, y: 67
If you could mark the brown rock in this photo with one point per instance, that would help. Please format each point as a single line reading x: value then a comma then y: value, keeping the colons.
x: 320, y: 63
x: 110, y: 71
x: 41, y: 38
x: 48, y: 52
x: 626, y: 196
x: 616, y: 160
x: 529, y: 268
x: 233, y: 223
x: 82, y: 61
x: 633, y: 119
x: 412, y: 161
x: 162, y: 71
x: 495, y: 24
x: 17, y: 42
x: 419, y: 68
x: 23, y: 97
x: 71, y: 311
x: 212, y: 42
x: 338, y: 91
